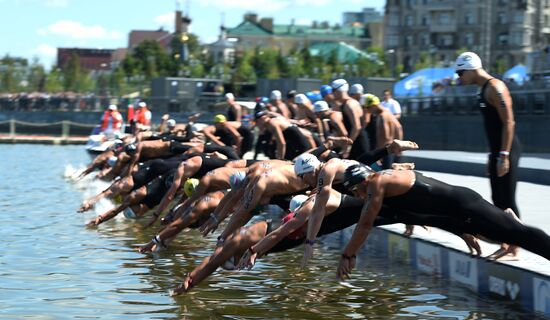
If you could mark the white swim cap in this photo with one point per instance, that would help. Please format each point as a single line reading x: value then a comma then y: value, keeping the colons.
x: 305, y: 163
x: 112, y: 107
x: 468, y: 61
x: 340, y: 85
x: 275, y: 95
x: 356, y: 89
x: 320, y: 106
x: 300, y: 98
x: 296, y: 202
x: 171, y: 123
x: 229, y: 96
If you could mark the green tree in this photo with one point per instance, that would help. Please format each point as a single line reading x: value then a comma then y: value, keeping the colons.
x: 152, y: 60
x: 265, y: 63
x: 196, y: 69
x: 71, y: 73
x: 118, y: 82
x: 36, y: 76
x: 244, y: 71
x: 54, y: 81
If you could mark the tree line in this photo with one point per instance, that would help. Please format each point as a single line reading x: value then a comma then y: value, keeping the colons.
x: 149, y: 60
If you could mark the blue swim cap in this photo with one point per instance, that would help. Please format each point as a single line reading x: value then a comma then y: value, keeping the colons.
x: 325, y: 89
x: 264, y: 100
x: 314, y: 96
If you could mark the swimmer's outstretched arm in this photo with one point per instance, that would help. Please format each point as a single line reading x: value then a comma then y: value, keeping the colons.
x: 243, y: 214
x: 270, y: 240
x: 236, y: 244
x: 373, y: 204
x: 224, y: 209
x: 108, y: 215
x: 114, y: 189
x: 190, y: 215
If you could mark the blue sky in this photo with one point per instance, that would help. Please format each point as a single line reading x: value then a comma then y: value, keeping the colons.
x: 35, y: 28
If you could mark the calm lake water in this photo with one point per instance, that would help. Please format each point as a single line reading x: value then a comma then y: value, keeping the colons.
x: 52, y: 267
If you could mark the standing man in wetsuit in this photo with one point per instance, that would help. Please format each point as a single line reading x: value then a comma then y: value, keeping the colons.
x: 234, y: 110
x: 353, y: 114
x: 495, y: 104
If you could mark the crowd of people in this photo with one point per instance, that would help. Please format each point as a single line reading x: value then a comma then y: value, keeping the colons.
x: 329, y: 164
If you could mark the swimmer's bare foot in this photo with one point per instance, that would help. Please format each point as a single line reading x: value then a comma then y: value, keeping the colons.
x: 409, y: 229
x: 398, y: 146
x: 194, y: 117
x: 403, y: 166
x: 507, y: 252
x: 472, y: 243
x: 218, y: 155
x: 338, y: 142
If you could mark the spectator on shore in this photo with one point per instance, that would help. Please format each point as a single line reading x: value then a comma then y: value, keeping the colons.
x: 143, y: 117
x: 111, y: 121
x: 391, y: 104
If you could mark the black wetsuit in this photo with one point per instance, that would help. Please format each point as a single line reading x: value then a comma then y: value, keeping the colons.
x: 248, y: 139
x: 503, y: 188
x: 361, y: 143
x: 208, y: 164
x: 371, y: 131
x: 468, y: 212
x: 347, y: 214
x: 231, y: 115
x: 177, y: 147
x: 156, y: 189
x: 155, y: 168
x: 229, y: 152
x: 296, y: 142
x: 227, y: 138
x: 264, y: 145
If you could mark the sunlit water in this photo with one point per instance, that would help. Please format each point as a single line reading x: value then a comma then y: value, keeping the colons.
x: 52, y: 267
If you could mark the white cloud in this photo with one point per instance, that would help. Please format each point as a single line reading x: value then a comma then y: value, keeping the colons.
x: 251, y: 5
x: 76, y: 30
x: 45, y: 54
x: 56, y: 3
x: 44, y: 50
x: 165, y: 20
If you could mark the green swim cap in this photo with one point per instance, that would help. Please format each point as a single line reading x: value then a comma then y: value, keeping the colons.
x: 190, y: 186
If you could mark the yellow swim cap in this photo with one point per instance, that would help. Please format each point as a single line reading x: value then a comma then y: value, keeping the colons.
x: 190, y: 186
x: 219, y: 118
x: 369, y: 100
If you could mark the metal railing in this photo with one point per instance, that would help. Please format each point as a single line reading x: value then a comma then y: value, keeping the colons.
x: 63, y: 129
x: 525, y: 102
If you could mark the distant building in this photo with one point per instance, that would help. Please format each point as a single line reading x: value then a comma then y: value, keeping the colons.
x: 368, y: 15
x: 138, y: 36
x: 498, y: 30
x: 222, y: 50
x: 90, y: 59
x: 251, y: 33
x: 345, y: 53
